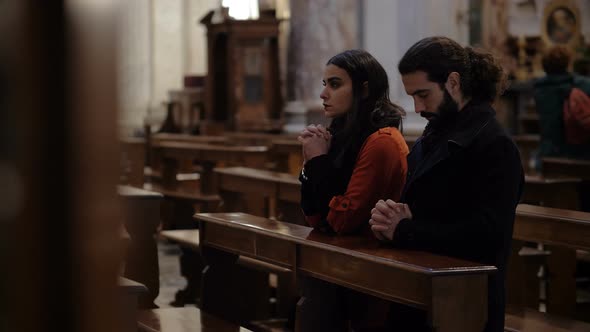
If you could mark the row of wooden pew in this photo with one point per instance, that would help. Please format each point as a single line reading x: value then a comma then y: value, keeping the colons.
x: 530, y: 219
x: 139, y: 283
x: 236, y: 188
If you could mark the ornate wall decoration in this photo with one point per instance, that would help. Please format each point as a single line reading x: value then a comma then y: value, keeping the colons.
x: 561, y: 24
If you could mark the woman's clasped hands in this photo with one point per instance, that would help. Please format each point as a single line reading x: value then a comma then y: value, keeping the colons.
x: 315, y: 141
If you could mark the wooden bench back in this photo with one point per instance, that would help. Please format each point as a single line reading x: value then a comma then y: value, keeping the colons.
x: 562, y: 232
x: 552, y: 226
x: 207, y: 156
x: 554, y: 192
x: 260, y: 192
x: 566, y: 167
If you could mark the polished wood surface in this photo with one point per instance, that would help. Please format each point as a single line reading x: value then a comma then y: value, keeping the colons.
x: 141, y: 218
x: 207, y: 155
x: 208, y: 202
x: 454, y: 291
x: 534, y: 321
x: 553, y: 226
x: 189, y: 138
x: 259, y: 174
x: 566, y: 167
x: 280, y: 192
x: 542, y: 190
x: 253, y: 138
x: 185, y: 319
x: 354, y: 246
x: 563, y: 231
x: 266, y: 194
x: 209, y: 152
x: 184, y: 237
x: 129, y: 192
x: 287, y: 154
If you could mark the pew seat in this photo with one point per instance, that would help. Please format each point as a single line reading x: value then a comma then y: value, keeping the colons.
x: 565, y: 233
x: 188, y: 238
x: 187, y: 319
x: 193, y: 196
x: 534, y: 321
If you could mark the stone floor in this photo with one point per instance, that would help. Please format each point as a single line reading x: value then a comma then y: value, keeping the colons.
x: 170, y: 278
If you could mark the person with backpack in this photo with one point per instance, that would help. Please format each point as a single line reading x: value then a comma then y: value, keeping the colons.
x: 559, y: 138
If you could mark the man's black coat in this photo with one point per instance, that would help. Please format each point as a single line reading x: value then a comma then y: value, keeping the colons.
x: 463, y: 195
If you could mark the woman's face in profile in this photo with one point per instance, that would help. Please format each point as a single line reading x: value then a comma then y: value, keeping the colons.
x: 337, y: 93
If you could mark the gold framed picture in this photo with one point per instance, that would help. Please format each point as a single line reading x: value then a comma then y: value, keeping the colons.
x: 561, y: 23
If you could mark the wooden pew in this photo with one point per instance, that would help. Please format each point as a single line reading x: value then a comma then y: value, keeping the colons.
x: 564, y: 231
x: 184, y: 237
x: 556, y: 192
x: 280, y: 193
x: 133, y: 155
x: 141, y: 219
x: 284, y: 149
x: 453, y: 291
x: 183, y: 320
x: 189, y: 238
x: 185, y: 204
x: 526, y: 261
x: 266, y: 194
x: 287, y: 154
x: 207, y: 155
x: 185, y: 165
x: 566, y: 168
x: 264, y: 139
x: 170, y: 137
x: 129, y: 292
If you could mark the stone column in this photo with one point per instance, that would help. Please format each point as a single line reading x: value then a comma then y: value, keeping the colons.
x: 134, y: 64
x: 319, y: 29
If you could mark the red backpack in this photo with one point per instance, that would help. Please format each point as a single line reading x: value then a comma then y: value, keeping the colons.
x: 576, y: 117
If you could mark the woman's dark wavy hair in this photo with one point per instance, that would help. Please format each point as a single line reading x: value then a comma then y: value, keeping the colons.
x: 376, y: 109
x: 367, y: 114
x: 482, y: 78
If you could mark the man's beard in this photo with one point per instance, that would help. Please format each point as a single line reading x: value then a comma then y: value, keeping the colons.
x: 446, y: 116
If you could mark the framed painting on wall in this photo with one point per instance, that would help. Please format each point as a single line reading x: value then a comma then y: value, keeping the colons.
x: 561, y: 23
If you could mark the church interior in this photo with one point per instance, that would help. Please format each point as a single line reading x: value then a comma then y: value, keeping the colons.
x: 150, y: 164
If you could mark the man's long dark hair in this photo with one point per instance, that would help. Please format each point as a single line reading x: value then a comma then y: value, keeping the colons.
x: 368, y: 114
x: 482, y: 78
